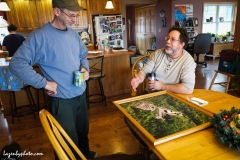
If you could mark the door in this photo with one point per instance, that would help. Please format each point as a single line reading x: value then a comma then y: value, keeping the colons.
x: 145, y: 26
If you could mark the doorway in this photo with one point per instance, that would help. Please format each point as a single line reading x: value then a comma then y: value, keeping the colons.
x: 145, y: 27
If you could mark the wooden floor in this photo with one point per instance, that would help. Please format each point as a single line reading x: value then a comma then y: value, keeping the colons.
x: 108, y: 132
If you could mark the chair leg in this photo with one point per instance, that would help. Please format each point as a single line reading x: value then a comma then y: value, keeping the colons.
x: 38, y: 102
x: 228, y: 82
x: 38, y: 99
x: 215, y: 75
x: 31, y: 101
x: 102, y: 91
x: 44, y: 97
x: 12, y: 104
x: 87, y: 94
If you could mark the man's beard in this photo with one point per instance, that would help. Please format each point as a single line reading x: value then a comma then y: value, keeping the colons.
x: 169, y: 52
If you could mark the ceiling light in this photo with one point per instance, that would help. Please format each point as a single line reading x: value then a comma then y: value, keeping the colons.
x: 109, y: 5
x: 4, y: 6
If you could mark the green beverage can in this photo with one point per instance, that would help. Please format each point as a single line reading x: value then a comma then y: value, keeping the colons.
x: 79, y: 78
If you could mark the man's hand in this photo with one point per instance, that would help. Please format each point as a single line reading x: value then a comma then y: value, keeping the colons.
x: 51, y: 88
x: 154, y: 85
x: 135, y: 82
x: 86, y: 74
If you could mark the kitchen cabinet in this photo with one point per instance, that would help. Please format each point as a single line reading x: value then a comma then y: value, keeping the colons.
x: 28, y: 15
x: 82, y: 19
x: 98, y: 7
x: 44, y: 11
x: 217, y: 47
x: 23, y: 14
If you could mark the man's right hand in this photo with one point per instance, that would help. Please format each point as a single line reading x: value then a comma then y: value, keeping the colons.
x: 135, y: 82
x: 51, y: 88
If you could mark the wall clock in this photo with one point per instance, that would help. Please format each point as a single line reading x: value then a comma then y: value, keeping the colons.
x: 162, y: 13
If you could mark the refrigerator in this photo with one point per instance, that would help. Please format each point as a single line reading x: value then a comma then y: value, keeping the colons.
x: 3, y: 29
x: 108, y: 28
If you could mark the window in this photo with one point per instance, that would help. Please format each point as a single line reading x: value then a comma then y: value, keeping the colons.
x: 218, y: 18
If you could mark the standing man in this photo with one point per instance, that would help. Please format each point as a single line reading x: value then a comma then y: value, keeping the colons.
x: 59, y: 51
x: 12, y: 41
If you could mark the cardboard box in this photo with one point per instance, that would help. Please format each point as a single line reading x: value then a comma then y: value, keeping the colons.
x: 201, y: 57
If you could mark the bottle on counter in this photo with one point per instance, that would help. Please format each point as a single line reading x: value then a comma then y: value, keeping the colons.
x: 99, y: 44
x: 96, y: 46
x: 107, y: 45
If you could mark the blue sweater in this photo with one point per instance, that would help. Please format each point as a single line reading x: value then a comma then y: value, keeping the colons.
x: 58, y: 54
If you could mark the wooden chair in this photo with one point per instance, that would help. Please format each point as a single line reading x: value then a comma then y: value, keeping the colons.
x: 58, y: 138
x: 138, y: 64
x: 229, y: 76
x: 96, y: 74
x: 149, y: 51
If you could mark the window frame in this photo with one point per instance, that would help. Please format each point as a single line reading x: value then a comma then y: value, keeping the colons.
x: 217, y: 22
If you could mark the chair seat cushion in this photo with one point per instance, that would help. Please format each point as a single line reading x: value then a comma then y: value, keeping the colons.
x: 96, y: 75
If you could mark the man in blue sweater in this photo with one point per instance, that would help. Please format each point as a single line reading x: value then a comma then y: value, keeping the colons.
x: 59, y: 51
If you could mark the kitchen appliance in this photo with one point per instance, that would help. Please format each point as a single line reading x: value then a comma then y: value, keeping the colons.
x: 108, y: 28
x: 3, y: 29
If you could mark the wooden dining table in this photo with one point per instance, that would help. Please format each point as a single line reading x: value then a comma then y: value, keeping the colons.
x: 202, y: 144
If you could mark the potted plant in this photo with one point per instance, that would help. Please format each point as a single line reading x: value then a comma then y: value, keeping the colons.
x: 213, y: 37
x: 219, y: 38
x: 228, y: 36
x: 153, y: 42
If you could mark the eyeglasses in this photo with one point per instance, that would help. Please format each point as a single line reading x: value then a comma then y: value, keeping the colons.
x: 71, y: 15
x: 171, y: 39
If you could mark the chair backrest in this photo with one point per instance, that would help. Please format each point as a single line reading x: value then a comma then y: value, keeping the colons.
x: 58, y: 137
x: 96, y: 66
x: 149, y: 51
x: 138, y: 64
x: 237, y: 47
x: 202, y: 43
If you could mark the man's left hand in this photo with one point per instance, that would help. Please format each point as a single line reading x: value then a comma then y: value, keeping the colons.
x: 86, y: 74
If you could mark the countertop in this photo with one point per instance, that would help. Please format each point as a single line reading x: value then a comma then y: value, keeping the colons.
x: 111, y: 53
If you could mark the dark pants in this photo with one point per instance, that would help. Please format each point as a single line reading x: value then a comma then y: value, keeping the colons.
x: 72, y: 115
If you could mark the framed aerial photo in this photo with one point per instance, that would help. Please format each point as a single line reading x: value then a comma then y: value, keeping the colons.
x: 162, y: 116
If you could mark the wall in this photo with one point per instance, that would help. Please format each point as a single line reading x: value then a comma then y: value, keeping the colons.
x: 197, y: 8
x: 167, y: 7
x: 130, y: 2
x: 130, y: 10
x: 237, y: 28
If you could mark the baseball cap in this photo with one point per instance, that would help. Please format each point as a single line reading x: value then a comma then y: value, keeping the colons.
x: 71, y: 5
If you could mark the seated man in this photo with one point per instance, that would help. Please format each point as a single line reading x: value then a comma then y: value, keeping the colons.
x: 174, y: 68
